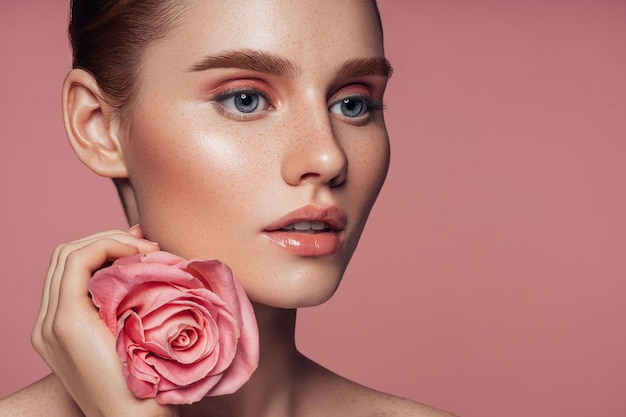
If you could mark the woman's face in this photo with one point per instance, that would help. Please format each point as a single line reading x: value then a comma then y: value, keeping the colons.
x: 254, y: 117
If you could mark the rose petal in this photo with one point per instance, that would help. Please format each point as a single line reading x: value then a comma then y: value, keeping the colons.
x: 141, y: 389
x: 109, y: 286
x: 140, y: 378
x: 180, y: 301
x: 183, y: 374
x: 221, y: 281
x: 156, y: 257
x: 184, y: 340
x: 247, y: 357
x: 206, y: 333
x: 173, y: 394
x: 133, y: 327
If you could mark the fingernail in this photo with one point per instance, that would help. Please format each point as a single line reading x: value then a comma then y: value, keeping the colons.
x: 135, y: 227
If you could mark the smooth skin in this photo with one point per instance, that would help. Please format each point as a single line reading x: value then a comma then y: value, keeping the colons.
x: 209, y: 157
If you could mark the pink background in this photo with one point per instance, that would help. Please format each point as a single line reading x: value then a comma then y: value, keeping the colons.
x: 492, y: 277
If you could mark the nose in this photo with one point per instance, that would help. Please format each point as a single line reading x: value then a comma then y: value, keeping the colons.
x: 314, y: 154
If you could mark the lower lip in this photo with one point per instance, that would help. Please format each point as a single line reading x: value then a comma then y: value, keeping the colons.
x: 305, y: 244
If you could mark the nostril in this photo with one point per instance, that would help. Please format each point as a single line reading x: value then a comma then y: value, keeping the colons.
x: 309, y: 176
x: 337, y: 180
x: 313, y: 177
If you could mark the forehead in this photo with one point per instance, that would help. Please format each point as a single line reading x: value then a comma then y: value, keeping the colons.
x: 301, y: 31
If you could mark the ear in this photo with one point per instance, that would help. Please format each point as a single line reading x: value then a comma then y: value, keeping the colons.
x: 91, y: 125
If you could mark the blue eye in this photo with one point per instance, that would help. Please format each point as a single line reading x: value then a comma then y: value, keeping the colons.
x: 350, y: 107
x: 245, y: 102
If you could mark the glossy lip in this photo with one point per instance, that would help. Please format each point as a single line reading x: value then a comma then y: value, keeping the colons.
x: 306, y: 244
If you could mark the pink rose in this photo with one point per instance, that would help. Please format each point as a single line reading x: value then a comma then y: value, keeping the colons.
x: 185, y: 329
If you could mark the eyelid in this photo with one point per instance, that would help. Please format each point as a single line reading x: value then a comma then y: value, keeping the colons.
x: 371, y: 103
x: 233, y: 92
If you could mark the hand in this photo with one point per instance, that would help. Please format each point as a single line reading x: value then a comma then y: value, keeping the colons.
x: 73, y: 340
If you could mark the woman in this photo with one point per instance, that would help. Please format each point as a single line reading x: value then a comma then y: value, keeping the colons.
x: 247, y: 131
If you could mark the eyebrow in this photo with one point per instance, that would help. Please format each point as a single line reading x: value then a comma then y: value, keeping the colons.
x: 250, y: 60
x: 268, y: 63
x: 359, y: 67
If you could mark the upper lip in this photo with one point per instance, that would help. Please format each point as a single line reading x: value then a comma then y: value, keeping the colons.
x: 333, y: 216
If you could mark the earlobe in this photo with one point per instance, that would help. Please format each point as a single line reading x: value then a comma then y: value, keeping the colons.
x: 91, y: 126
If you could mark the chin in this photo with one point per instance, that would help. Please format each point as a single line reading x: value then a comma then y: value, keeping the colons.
x: 291, y: 302
x: 298, y: 291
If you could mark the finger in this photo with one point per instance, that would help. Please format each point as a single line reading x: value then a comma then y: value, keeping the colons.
x: 136, y: 231
x: 75, y: 249
x: 81, y: 264
x: 45, y: 299
x: 62, y: 277
x: 46, y: 287
x: 52, y: 283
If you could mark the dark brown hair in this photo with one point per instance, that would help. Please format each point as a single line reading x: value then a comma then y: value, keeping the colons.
x: 108, y: 38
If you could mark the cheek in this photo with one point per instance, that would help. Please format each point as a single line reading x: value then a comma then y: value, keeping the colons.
x: 368, y: 164
x: 188, y: 181
x: 379, y: 158
x: 169, y: 165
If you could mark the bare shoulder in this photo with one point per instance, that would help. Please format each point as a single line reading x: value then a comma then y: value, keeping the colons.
x: 367, y: 402
x: 336, y: 395
x: 46, y: 398
x: 387, y: 405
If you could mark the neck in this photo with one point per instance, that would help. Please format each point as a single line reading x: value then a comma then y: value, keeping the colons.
x: 270, y: 389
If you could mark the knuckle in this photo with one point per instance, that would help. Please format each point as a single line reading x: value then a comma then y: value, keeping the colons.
x: 64, y: 251
x: 58, y: 328
x: 73, y: 259
x: 57, y: 250
x: 47, y: 333
x: 42, y: 337
x: 36, y: 339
